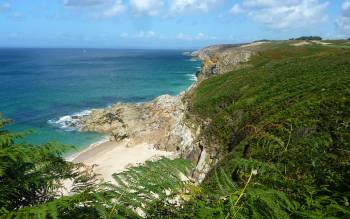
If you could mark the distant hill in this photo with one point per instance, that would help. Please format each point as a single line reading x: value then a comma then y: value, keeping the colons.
x: 307, y: 38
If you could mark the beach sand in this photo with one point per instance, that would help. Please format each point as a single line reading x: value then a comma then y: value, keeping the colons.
x: 111, y: 157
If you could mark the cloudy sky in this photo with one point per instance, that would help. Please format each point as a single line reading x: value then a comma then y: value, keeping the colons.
x: 166, y: 23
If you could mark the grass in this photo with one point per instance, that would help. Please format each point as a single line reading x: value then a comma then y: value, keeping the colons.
x: 288, y: 116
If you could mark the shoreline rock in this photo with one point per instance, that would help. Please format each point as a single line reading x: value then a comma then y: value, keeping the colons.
x: 158, y: 122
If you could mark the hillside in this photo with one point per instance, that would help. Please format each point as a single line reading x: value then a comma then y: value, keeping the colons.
x: 281, y: 129
x: 274, y: 122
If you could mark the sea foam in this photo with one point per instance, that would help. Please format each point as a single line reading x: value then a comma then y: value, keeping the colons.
x: 192, y: 77
x: 69, y: 122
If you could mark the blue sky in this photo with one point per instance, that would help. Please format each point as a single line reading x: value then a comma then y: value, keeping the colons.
x: 166, y: 23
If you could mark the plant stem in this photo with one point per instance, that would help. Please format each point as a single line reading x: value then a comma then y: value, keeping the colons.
x: 242, y: 193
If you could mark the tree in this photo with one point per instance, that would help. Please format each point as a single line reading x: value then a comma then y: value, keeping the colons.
x: 31, y: 177
x: 34, y: 174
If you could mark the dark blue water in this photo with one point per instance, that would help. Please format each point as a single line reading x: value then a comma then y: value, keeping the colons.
x: 41, y: 85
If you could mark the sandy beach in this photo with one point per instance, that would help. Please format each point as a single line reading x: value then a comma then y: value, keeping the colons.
x: 135, y: 129
x: 111, y: 157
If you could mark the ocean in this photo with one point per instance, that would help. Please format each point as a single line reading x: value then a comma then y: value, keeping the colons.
x: 41, y: 88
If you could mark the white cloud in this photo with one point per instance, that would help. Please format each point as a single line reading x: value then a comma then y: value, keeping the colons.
x: 264, y: 3
x: 5, y: 6
x: 182, y: 36
x: 124, y: 35
x: 117, y: 8
x: 84, y: 3
x: 346, y: 8
x: 146, y: 7
x: 286, y: 14
x: 98, y: 8
x: 111, y: 8
x: 185, y: 6
x: 236, y: 9
x: 198, y: 36
x: 17, y: 15
x: 343, y: 22
x: 146, y: 34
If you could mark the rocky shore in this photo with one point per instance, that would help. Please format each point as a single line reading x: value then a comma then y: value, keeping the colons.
x: 161, y: 123
x: 157, y: 122
x: 220, y: 59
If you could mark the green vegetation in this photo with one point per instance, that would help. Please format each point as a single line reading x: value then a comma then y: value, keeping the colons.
x: 32, y: 174
x: 307, y: 38
x: 31, y: 177
x: 288, y: 118
x: 262, y: 40
x: 281, y: 128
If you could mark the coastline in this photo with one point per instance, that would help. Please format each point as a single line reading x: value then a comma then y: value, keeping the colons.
x: 73, y: 156
x: 157, y: 128
x: 108, y: 156
x: 111, y: 157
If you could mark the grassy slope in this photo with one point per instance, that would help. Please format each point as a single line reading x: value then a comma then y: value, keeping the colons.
x: 288, y: 117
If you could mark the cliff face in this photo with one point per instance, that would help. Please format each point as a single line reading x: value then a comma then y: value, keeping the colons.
x: 221, y: 59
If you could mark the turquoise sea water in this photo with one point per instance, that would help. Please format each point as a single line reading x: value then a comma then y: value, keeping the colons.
x: 40, y: 86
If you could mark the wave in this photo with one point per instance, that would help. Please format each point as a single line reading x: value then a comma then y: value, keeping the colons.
x: 69, y: 122
x: 192, y: 77
x: 192, y: 60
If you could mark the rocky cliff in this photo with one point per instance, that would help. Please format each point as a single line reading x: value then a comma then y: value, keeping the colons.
x: 220, y: 59
x: 157, y: 122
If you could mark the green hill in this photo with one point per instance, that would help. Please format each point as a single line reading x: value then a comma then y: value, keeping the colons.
x: 287, y: 119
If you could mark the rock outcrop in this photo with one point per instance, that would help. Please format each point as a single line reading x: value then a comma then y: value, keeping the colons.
x: 158, y: 122
x: 221, y: 59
